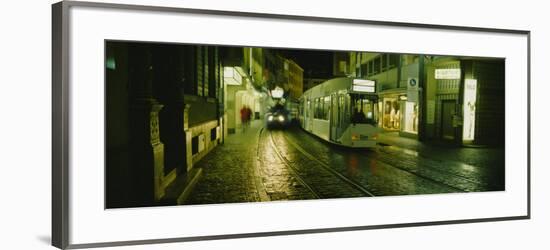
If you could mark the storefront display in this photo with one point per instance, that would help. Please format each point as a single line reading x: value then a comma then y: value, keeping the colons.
x: 392, y: 114
x: 470, y: 92
x: 410, y: 119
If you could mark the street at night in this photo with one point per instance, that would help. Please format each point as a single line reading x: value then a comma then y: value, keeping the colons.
x: 270, y: 165
x: 199, y: 124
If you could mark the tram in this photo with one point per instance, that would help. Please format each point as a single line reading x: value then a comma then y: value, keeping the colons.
x: 342, y: 111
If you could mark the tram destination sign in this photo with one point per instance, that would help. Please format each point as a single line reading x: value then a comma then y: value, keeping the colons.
x: 362, y: 85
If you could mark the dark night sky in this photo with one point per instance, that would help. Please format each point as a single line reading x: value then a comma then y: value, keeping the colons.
x: 316, y: 63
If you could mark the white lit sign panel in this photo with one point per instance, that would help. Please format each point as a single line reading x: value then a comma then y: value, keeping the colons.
x: 470, y: 92
x: 362, y: 85
x: 363, y: 89
x: 231, y: 76
x: 278, y: 92
x: 447, y: 74
x: 411, y: 117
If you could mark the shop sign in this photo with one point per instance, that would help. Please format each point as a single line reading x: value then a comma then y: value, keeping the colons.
x: 447, y: 74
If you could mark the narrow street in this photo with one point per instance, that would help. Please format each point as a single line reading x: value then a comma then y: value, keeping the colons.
x: 205, y: 124
x: 260, y: 164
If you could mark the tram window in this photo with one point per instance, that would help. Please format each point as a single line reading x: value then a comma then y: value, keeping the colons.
x: 326, y: 107
x: 319, y: 109
x: 363, y: 109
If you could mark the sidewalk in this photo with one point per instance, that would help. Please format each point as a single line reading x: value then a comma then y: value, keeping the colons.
x: 229, y: 170
x: 483, y: 156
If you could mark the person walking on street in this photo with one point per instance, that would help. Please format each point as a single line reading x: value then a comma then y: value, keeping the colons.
x: 248, y: 116
x: 243, y: 117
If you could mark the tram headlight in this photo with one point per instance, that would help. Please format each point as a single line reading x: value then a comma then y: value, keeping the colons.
x: 281, y: 118
x: 355, y: 137
x: 270, y: 118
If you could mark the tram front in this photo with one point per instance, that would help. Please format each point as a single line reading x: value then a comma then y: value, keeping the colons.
x: 363, y: 129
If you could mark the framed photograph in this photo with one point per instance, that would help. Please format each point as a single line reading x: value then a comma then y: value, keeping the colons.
x: 173, y: 124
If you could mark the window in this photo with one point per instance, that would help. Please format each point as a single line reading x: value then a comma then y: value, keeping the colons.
x: 376, y: 69
x: 195, y: 145
x: 212, y: 72
x: 364, y: 70
x: 190, y: 83
x: 384, y: 62
x: 213, y: 133
x: 370, y: 66
x: 199, y: 62
x: 393, y: 61
x: 321, y: 108
x: 205, y: 71
x: 315, y: 107
x: 363, y: 109
x: 326, y: 107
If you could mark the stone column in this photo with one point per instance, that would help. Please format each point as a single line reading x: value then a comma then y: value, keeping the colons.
x: 169, y: 77
x: 146, y: 149
x: 188, y: 137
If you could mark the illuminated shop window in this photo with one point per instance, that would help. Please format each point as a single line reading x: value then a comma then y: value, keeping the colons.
x: 391, y: 119
x: 410, y: 117
x: 470, y: 92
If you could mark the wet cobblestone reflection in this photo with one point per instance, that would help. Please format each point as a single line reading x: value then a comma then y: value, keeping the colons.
x: 273, y: 165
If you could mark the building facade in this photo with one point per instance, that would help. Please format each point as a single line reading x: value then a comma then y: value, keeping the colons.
x: 457, y: 100
x: 162, y: 116
x: 465, y: 100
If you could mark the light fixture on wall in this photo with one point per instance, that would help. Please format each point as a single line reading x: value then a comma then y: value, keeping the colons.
x: 231, y: 76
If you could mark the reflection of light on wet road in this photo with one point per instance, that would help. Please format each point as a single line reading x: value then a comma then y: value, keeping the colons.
x: 357, y: 163
x: 353, y: 165
x: 467, y: 167
x: 403, y: 150
x: 373, y: 166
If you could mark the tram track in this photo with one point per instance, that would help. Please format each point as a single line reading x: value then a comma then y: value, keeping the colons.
x: 321, y: 165
x: 291, y: 169
x: 386, y: 159
x: 389, y: 162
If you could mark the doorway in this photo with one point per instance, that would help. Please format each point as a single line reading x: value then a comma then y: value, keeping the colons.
x: 448, y: 111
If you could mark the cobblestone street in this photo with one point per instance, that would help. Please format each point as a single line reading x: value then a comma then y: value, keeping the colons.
x: 230, y: 171
x: 269, y: 165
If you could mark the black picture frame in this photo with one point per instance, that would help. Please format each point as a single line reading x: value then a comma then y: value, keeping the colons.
x: 61, y: 107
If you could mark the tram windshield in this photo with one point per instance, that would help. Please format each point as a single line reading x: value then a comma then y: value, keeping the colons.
x: 363, y: 109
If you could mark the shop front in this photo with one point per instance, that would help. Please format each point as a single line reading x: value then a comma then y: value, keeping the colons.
x: 468, y: 97
x: 389, y: 105
x: 398, y: 112
x: 410, y: 117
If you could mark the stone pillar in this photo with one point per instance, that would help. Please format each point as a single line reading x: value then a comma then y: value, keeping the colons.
x: 188, y: 137
x: 146, y: 149
x: 173, y: 137
x: 168, y: 81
